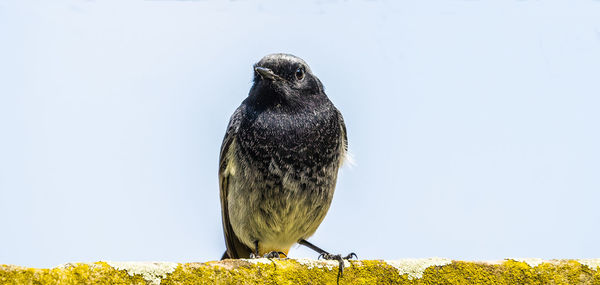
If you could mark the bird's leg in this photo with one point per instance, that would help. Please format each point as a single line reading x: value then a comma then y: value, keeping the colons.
x: 272, y: 254
x: 326, y: 255
x: 255, y: 253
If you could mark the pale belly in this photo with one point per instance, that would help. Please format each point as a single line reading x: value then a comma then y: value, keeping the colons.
x: 278, y: 213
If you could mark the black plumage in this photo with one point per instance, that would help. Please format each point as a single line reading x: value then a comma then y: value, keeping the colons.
x: 279, y: 159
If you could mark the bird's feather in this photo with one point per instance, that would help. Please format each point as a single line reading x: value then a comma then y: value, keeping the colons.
x: 345, y: 155
x: 235, y: 248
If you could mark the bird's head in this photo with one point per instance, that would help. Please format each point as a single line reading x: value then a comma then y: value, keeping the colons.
x: 284, y: 79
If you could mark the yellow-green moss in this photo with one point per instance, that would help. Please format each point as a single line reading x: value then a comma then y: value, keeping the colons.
x: 82, y: 273
x: 290, y: 271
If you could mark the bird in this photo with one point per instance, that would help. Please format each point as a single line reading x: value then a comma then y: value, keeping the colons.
x: 279, y: 161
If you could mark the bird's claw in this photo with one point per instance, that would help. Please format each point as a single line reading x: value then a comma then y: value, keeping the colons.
x: 274, y: 254
x: 339, y: 258
x: 351, y: 255
x: 329, y: 256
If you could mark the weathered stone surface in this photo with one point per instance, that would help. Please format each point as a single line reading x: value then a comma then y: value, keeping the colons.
x: 308, y: 271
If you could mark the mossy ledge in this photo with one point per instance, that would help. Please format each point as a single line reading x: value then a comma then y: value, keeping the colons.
x: 308, y: 271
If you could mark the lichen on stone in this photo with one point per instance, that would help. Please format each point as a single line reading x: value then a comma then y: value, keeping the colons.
x: 592, y: 263
x: 414, y: 268
x: 258, y: 260
x: 152, y: 272
x: 308, y: 271
x: 533, y: 262
x: 329, y: 264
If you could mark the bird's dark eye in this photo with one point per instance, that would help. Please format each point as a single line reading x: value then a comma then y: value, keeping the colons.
x: 299, y: 73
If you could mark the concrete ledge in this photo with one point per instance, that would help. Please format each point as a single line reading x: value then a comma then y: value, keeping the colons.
x: 308, y: 271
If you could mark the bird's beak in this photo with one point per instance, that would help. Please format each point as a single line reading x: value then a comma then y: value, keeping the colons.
x: 266, y: 73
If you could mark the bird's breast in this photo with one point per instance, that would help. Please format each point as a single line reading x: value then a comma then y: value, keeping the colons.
x: 303, y: 140
x: 286, y: 170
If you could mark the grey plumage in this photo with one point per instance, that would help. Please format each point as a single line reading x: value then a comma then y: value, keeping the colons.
x: 279, y: 159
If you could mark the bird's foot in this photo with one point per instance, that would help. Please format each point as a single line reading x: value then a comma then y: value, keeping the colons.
x: 339, y: 258
x: 272, y: 254
x: 329, y: 256
x: 275, y: 254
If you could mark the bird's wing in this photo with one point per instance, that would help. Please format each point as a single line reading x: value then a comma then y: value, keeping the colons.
x: 344, y: 137
x: 235, y: 248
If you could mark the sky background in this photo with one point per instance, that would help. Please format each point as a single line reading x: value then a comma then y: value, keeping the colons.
x: 474, y: 125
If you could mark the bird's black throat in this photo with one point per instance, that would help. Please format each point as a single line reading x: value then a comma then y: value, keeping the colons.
x: 290, y: 134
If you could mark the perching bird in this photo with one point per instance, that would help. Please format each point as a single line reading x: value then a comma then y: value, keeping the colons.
x: 279, y: 161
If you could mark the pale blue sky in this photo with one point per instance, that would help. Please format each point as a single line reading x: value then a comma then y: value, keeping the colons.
x: 474, y: 125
